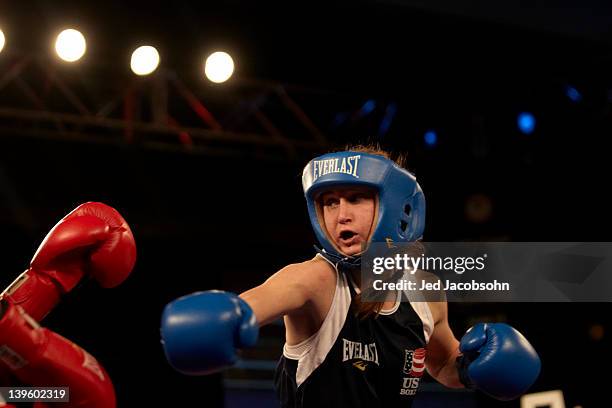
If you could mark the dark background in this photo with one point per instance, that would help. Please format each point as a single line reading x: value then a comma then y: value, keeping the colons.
x: 229, y: 219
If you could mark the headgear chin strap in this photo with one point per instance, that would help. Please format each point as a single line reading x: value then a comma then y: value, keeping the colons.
x: 401, y: 203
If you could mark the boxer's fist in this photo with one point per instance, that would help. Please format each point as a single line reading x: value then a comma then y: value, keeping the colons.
x: 92, y: 240
x: 497, y: 360
x: 201, y: 332
x: 96, y: 239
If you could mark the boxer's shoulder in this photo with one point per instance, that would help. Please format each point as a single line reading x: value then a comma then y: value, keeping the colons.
x: 317, y: 278
x: 315, y: 275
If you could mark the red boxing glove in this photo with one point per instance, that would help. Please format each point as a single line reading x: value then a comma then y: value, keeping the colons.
x: 39, y: 357
x: 93, y: 240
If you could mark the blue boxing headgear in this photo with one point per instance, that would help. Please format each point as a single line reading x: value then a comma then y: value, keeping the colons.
x: 401, y: 203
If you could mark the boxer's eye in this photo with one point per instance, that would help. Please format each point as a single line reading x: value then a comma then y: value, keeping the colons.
x: 354, y: 198
x: 330, y: 201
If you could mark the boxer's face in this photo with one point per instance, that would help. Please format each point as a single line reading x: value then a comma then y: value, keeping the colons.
x: 348, y: 214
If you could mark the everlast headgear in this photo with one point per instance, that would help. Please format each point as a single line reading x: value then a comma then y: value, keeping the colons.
x: 401, y: 203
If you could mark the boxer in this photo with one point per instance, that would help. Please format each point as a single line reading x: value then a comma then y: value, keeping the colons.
x: 341, y: 351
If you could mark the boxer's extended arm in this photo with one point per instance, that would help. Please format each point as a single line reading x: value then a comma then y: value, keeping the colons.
x: 287, y: 291
x: 202, y: 332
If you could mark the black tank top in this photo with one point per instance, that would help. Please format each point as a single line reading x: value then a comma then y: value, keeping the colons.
x: 354, y: 362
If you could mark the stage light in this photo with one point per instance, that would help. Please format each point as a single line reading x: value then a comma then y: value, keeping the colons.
x: 431, y: 138
x: 2, y: 40
x: 70, y: 45
x: 526, y: 122
x: 219, y: 67
x: 145, y: 60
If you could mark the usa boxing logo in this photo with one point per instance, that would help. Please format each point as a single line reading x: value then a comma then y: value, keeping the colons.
x: 414, y: 367
x: 414, y: 364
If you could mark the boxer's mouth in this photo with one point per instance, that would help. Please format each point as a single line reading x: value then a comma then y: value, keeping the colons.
x: 348, y: 237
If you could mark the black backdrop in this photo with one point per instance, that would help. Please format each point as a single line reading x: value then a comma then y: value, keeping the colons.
x: 206, y: 222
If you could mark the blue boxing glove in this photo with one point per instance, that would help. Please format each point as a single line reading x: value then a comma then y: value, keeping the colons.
x: 497, y: 360
x: 201, y: 332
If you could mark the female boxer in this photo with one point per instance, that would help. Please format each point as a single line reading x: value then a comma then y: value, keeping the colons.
x: 341, y: 351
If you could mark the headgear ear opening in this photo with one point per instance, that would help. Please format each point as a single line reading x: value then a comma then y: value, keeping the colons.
x: 400, y: 215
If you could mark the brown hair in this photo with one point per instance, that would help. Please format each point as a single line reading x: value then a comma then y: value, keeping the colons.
x: 361, y: 308
x: 375, y: 148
